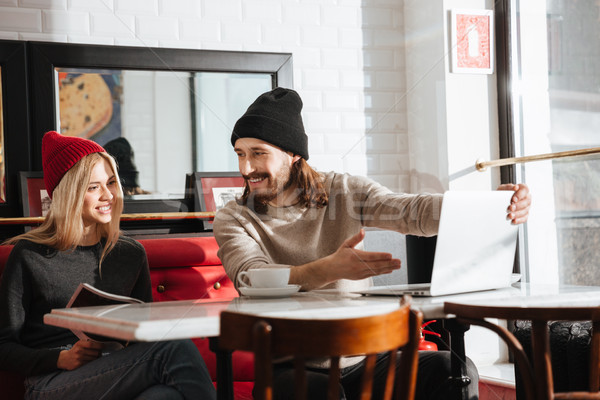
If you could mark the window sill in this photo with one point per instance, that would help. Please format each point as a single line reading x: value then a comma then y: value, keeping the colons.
x: 501, y: 374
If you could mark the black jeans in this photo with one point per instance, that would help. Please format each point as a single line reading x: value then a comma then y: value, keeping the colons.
x: 432, y: 379
x: 145, y: 370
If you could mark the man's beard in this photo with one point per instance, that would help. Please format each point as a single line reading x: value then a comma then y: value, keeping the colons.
x: 259, y: 199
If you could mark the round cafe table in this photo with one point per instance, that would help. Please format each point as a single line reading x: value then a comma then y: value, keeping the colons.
x: 563, y: 304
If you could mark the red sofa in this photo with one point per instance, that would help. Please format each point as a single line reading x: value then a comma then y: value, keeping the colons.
x: 181, y: 268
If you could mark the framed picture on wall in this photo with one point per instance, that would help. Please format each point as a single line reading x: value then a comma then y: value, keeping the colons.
x: 212, y: 190
x: 34, y: 197
x: 90, y: 103
x: 472, y: 41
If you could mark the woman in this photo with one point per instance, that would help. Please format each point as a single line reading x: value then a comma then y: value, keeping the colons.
x: 80, y: 241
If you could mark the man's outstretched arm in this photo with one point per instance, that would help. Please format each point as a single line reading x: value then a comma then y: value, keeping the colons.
x: 345, y: 263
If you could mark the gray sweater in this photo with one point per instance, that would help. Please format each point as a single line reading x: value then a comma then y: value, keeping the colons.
x: 38, y: 278
x: 297, y: 235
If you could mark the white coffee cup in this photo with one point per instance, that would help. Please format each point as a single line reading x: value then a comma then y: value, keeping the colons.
x: 265, y: 277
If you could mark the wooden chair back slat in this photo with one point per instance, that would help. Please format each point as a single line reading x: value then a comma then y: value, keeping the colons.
x: 333, y: 390
x: 367, y: 378
x: 300, y: 376
x: 391, y: 375
x: 259, y: 342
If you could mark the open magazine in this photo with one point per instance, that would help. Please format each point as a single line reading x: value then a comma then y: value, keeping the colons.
x: 87, y: 295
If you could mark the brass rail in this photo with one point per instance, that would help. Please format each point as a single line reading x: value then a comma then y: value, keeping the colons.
x: 482, y: 165
x: 124, y: 217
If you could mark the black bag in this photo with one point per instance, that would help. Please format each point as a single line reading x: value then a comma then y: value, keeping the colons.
x: 570, y: 353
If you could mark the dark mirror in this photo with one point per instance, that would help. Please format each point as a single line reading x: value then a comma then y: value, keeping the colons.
x: 159, y: 125
x: 14, y: 130
x: 2, y: 173
x: 163, y: 113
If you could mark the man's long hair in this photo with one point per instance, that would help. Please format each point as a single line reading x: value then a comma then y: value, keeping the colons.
x: 308, y: 184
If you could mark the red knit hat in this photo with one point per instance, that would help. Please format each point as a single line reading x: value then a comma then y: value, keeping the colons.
x: 60, y: 153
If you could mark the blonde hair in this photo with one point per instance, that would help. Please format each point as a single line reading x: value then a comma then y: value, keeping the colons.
x: 62, y: 228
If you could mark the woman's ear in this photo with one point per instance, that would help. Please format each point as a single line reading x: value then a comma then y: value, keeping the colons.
x: 295, y: 158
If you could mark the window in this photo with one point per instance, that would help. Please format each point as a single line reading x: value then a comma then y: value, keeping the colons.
x: 555, y: 105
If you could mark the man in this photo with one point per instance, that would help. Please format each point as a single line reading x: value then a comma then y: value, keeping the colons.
x: 291, y: 214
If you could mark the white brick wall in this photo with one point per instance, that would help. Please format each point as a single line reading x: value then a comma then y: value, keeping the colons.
x: 109, y: 25
x: 67, y: 22
x: 58, y: 4
x: 93, y: 6
x: 348, y: 59
x: 20, y: 19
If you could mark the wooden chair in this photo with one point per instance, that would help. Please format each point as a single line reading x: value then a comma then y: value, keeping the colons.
x: 303, y: 339
x: 536, y: 372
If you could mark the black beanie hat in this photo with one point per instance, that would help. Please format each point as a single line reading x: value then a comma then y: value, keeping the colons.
x: 275, y: 118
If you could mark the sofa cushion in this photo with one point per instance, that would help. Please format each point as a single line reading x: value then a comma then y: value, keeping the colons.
x: 186, y: 283
x: 180, y: 252
x: 4, y: 253
x: 186, y: 268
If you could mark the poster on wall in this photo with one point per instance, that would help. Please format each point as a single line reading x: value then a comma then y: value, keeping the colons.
x: 90, y: 103
x: 472, y: 41
x: 34, y: 197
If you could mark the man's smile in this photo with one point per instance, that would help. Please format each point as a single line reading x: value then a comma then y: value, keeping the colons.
x: 257, y: 180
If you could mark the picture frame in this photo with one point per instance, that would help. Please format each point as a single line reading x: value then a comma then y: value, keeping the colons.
x: 105, y: 87
x: 472, y: 41
x: 212, y: 190
x: 34, y: 197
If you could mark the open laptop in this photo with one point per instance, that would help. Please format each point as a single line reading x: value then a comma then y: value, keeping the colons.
x: 475, y: 247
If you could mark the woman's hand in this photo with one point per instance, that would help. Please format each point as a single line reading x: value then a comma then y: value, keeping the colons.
x: 80, y: 354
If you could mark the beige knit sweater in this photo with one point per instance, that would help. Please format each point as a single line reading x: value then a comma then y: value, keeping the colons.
x: 297, y: 235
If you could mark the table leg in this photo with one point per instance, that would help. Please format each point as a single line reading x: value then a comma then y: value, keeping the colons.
x: 459, y: 379
x: 224, y: 370
x: 542, y: 366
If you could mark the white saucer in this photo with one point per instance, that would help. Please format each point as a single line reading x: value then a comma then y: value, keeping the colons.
x: 269, y: 292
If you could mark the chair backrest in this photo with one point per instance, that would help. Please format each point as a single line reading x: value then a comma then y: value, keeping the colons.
x: 271, y: 338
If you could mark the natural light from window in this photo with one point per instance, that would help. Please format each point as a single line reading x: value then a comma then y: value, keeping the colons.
x: 556, y: 103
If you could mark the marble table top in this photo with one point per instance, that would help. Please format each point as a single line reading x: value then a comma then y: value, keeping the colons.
x: 539, y: 296
x: 200, y: 318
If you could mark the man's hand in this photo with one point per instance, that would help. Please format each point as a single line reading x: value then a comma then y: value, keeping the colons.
x: 349, y: 263
x: 518, y: 210
x: 80, y: 354
x: 346, y: 263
